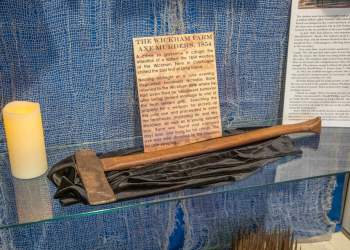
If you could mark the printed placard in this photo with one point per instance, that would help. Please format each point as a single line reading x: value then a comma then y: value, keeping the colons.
x: 178, y: 90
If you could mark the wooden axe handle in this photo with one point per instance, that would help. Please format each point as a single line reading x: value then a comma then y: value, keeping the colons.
x: 141, y: 159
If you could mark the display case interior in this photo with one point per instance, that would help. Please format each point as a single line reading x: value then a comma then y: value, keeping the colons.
x: 76, y: 59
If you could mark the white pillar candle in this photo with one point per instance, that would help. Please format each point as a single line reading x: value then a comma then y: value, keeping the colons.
x: 25, y: 139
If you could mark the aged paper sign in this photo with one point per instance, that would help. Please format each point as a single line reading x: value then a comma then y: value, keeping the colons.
x: 178, y: 90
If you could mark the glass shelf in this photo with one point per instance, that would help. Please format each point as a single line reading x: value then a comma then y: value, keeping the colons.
x: 30, y: 201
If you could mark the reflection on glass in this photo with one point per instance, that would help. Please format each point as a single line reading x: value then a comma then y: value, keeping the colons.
x: 33, y: 199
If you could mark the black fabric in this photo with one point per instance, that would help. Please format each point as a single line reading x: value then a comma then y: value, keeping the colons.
x: 191, y: 172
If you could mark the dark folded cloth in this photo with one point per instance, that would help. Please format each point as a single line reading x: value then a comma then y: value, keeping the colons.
x: 190, y: 172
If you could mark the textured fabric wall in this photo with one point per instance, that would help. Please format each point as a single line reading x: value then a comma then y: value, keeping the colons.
x: 75, y: 58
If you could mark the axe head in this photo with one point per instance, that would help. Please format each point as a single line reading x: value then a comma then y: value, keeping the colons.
x: 90, y: 170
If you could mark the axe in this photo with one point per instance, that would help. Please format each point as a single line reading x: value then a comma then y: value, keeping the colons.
x: 91, y: 169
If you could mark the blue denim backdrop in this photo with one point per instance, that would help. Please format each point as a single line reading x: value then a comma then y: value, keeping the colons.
x: 75, y: 58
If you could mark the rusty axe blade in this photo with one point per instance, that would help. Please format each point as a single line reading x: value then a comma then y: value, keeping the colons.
x: 91, y: 169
